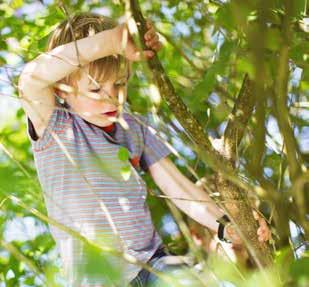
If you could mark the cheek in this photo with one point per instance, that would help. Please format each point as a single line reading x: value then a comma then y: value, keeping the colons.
x: 92, y: 105
x: 84, y: 105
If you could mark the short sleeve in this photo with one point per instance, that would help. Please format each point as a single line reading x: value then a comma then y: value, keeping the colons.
x: 154, y: 146
x: 55, y: 124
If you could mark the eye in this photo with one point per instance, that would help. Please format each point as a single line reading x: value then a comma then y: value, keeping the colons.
x: 95, y: 90
x: 119, y: 84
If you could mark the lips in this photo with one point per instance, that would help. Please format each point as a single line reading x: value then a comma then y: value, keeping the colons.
x: 111, y: 114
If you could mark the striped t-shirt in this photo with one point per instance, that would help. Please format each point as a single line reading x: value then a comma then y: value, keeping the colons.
x: 79, y: 168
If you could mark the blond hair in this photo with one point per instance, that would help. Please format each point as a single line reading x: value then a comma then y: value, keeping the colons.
x: 83, y: 25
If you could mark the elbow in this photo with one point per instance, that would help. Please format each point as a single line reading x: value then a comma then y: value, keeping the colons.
x: 25, y: 80
x: 29, y: 81
x: 22, y: 84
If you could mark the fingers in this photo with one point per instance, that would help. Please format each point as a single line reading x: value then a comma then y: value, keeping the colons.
x: 260, y: 219
x: 233, y: 235
x: 148, y: 54
x: 263, y: 232
x: 150, y: 34
x: 152, y: 41
x: 139, y: 56
x: 151, y: 37
x: 149, y: 24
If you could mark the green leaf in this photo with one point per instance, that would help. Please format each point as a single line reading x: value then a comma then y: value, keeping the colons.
x: 226, y: 50
x: 2, y: 61
x: 299, y: 270
x: 15, y: 4
x: 123, y: 154
x: 101, y: 266
x: 224, y: 17
x: 30, y: 281
x: 298, y: 52
x: 299, y: 7
x: 126, y: 172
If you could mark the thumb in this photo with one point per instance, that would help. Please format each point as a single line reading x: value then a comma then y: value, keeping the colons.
x: 259, y: 219
x: 148, y: 54
x: 139, y: 56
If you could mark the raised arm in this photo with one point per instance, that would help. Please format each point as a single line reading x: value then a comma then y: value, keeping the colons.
x: 38, y: 76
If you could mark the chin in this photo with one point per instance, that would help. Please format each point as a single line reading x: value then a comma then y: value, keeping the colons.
x: 102, y: 125
x: 98, y: 122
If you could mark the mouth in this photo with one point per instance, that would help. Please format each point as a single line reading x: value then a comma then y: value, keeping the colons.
x: 110, y: 114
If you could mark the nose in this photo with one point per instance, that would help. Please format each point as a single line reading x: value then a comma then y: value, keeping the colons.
x: 108, y: 92
x: 109, y: 96
x: 106, y: 95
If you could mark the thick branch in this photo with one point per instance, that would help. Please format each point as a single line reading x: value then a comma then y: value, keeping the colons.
x: 203, y: 146
x: 234, y: 132
x: 239, y: 117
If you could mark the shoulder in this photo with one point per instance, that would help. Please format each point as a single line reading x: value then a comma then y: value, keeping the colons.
x: 57, y: 123
x: 134, y: 122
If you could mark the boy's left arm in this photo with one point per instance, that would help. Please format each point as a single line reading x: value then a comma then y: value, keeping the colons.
x: 193, y: 200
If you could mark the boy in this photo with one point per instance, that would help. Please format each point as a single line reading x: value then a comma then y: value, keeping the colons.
x: 76, y: 144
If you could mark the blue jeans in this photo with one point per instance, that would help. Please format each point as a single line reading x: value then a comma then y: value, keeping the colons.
x: 147, y: 279
x: 144, y: 276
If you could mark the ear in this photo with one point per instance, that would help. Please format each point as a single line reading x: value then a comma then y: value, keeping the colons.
x: 60, y: 95
x: 61, y: 90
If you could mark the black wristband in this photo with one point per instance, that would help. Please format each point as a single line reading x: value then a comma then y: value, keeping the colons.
x: 222, y: 223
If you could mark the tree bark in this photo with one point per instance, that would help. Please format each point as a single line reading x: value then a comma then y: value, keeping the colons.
x: 240, y: 211
x: 239, y: 117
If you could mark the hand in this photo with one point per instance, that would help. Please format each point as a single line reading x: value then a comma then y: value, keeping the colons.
x: 151, y: 37
x: 125, y: 44
x: 263, y: 232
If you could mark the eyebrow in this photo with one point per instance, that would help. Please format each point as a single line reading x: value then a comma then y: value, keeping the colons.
x: 93, y: 84
x: 124, y: 78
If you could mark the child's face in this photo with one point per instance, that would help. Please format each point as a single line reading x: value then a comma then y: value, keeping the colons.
x: 97, y: 103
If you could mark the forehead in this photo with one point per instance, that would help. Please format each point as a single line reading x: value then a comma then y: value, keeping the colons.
x: 87, y: 79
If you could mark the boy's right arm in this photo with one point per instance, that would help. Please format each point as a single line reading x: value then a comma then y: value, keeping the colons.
x: 38, y: 76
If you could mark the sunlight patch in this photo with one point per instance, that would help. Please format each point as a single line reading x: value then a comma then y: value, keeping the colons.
x: 69, y: 134
x: 124, y: 203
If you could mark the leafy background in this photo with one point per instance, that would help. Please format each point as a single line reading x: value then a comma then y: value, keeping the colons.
x: 208, y: 48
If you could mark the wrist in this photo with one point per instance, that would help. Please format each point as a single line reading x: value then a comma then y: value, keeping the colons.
x: 224, y: 223
x: 117, y: 38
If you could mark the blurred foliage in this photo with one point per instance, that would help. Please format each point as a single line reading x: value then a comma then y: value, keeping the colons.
x: 208, y: 48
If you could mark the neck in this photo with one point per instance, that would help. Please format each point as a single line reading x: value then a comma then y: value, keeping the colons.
x: 109, y: 128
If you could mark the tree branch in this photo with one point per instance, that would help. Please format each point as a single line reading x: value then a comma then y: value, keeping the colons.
x: 280, y: 98
x: 239, y: 117
x: 240, y: 212
x: 182, y: 53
